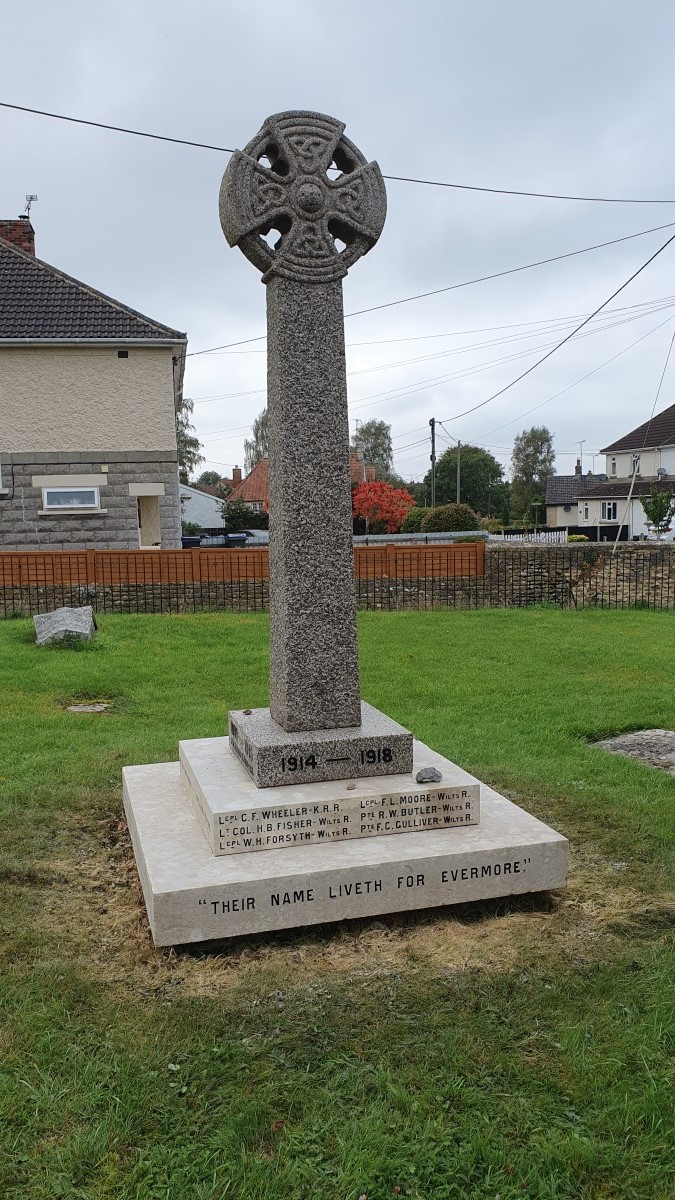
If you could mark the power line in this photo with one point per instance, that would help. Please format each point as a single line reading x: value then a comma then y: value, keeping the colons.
x: 426, y: 337
x: 583, y: 378
x: 464, y: 187
x: 465, y: 283
x: 567, y: 338
x: 437, y: 380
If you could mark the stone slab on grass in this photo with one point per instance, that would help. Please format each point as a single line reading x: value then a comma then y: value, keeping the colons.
x: 238, y: 818
x: 64, y: 623
x: 654, y: 747
x: 193, y: 896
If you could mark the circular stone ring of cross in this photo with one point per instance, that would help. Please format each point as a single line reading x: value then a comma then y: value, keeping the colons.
x: 280, y: 182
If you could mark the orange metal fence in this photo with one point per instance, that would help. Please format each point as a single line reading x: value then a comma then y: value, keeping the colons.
x: 139, y: 568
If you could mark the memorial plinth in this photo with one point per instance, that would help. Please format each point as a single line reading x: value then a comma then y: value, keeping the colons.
x: 192, y: 895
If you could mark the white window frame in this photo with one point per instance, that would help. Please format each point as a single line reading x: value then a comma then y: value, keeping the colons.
x: 585, y: 512
x: 95, y: 506
x: 635, y: 464
x: 609, y: 510
x: 612, y: 466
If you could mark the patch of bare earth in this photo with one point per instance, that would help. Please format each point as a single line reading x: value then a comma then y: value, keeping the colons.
x: 97, y: 914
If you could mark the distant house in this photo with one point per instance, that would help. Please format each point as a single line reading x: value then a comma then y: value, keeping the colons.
x: 636, y: 463
x: 255, y: 492
x: 88, y: 390
x: 254, y: 489
x: 610, y: 504
x: 202, y: 507
x: 562, y: 492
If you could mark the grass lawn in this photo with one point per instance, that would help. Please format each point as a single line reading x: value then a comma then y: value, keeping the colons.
x: 513, y: 1049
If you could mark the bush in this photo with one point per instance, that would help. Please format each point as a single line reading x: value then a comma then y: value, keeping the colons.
x: 412, y: 522
x: 448, y: 518
x: 492, y: 524
x: 190, y: 529
x: 577, y: 537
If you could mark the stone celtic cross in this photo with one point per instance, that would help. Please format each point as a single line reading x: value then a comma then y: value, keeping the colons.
x: 280, y: 182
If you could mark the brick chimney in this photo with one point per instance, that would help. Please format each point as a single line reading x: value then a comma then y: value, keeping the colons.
x: 19, y: 233
x: 236, y: 476
x: 370, y: 474
x: 577, y: 469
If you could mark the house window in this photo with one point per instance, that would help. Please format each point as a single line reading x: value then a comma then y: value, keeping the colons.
x: 585, y: 512
x: 635, y: 464
x: 609, y: 510
x: 612, y: 467
x: 73, y: 497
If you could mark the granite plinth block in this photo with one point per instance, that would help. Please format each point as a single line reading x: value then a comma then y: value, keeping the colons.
x: 193, y: 896
x: 64, y: 623
x: 238, y: 819
x: 275, y: 758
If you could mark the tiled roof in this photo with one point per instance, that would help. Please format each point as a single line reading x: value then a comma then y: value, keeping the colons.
x: 39, y: 301
x: 659, y: 431
x: 255, y: 487
x: 564, y: 489
x: 618, y: 489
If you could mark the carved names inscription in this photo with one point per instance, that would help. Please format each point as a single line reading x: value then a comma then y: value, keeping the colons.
x: 271, y: 828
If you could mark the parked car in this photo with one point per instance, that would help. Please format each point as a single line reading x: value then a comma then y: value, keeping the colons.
x: 231, y: 540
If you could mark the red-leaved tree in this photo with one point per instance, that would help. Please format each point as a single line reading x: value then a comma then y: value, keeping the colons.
x: 382, y: 506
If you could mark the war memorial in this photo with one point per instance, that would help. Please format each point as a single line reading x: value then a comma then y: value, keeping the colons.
x: 320, y: 807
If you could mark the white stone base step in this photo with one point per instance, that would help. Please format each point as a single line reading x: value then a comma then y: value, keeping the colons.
x: 239, y: 818
x: 193, y: 896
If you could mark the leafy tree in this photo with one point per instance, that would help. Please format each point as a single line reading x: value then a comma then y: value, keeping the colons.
x: 531, y: 463
x: 659, y: 510
x: 382, y: 506
x: 190, y: 529
x: 448, y: 518
x: 479, y: 476
x: 257, y: 447
x: 420, y: 492
x: 412, y: 522
x: 373, y: 439
x: 238, y: 515
x: 210, y: 478
x: 189, y: 446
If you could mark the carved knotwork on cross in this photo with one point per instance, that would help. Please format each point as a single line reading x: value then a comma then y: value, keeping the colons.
x: 280, y: 182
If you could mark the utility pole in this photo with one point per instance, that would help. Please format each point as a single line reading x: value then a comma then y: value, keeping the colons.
x: 580, y: 444
x: 459, y: 449
x: 432, y: 424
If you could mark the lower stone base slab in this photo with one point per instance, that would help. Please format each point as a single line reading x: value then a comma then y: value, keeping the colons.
x: 192, y: 896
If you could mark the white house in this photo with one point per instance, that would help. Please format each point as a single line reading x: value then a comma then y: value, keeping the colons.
x: 635, y: 464
x: 607, y: 504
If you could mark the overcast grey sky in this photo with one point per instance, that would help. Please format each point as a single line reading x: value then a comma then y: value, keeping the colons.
x: 575, y: 98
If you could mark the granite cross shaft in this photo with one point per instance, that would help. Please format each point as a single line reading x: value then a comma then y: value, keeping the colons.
x: 280, y: 182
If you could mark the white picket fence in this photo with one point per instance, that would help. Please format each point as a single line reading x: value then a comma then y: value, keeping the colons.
x: 549, y: 537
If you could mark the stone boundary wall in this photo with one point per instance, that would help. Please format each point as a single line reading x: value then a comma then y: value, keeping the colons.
x: 514, y: 577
